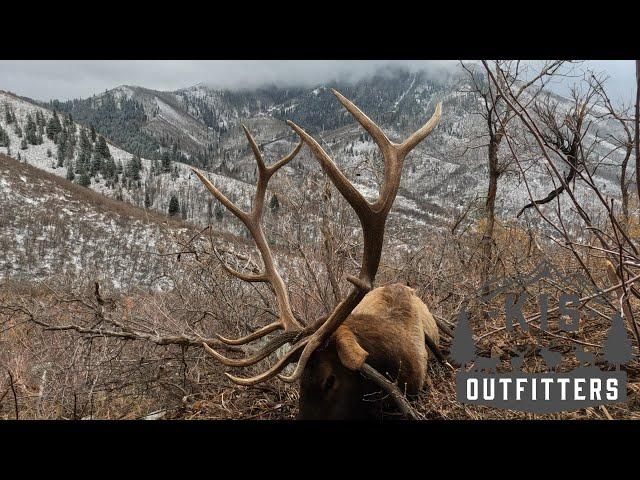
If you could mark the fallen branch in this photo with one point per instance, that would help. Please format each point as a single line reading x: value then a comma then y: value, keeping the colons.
x: 391, y: 389
x: 15, y: 396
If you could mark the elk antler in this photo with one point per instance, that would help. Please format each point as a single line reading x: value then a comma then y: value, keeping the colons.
x: 372, y: 217
x: 251, y: 220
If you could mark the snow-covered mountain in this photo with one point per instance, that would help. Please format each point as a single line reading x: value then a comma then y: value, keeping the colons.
x: 201, y: 126
x: 53, y: 227
x: 156, y: 187
x: 152, y: 190
x: 203, y: 123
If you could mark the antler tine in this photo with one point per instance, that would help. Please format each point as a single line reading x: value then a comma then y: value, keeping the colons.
x: 411, y: 142
x: 342, y: 183
x: 290, y: 356
x: 254, y: 147
x: 220, y: 196
x: 242, y: 276
x: 372, y: 129
x: 261, y: 332
x: 260, y: 160
x: 271, y: 347
x: 283, y: 161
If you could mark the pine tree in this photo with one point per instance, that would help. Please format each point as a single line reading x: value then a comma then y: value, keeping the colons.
x: 4, y: 138
x: 40, y: 123
x: 53, y: 126
x: 23, y: 144
x: 617, y: 346
x: 165, y: 166
x: 8, y: 116
x: 70, y: 174
x: 93, y: 134
x: 70, y: 125
x: 219, y: 212
x: 462, y: 347
x: 174, y: 206
x: 31, y: 131
x: 274, y: 204
x: 61, y: 153
x: 85, y: 154
x: 109, y: 168
x: 148, y: 203
x: 134, y: 165
x: 96, y: 164
x: 84, y: 179
x: 102, y: 148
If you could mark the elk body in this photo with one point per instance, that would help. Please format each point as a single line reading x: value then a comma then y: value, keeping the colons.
x: 373, y: 339
x: 387, y: 330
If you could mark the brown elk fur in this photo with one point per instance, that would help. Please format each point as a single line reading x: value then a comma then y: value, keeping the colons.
x: 386, y: 330
x: 390, y: 323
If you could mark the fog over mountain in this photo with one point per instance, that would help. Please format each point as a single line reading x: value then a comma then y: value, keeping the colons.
x: 66, y: 79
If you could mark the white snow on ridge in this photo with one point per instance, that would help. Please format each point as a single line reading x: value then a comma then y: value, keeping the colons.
x: 51, y: 232
x: 185, y: 185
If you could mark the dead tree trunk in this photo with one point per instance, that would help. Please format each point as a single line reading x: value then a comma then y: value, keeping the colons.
x: 490, y: 207
x: 624, y: 185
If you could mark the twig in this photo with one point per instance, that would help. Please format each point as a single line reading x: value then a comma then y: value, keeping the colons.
x: 15, y: 396
x: 392, y: 389
x: 436, y: 352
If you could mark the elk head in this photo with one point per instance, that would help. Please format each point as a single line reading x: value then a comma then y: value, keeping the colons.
x: 332, y: 365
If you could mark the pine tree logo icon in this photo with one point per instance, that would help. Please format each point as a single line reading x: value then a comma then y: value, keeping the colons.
x: 617, y: 346
x: 463, y: 349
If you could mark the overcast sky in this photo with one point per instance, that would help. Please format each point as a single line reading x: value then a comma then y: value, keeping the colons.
x: 51, y: 79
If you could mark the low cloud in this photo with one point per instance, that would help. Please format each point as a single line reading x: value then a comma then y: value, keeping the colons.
x: 66, y: 79
x: 45, y: 80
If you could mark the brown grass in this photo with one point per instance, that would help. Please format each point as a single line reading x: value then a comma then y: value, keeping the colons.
x: 107, y: 378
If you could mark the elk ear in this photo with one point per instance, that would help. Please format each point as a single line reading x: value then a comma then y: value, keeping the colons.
x: 351, y: 354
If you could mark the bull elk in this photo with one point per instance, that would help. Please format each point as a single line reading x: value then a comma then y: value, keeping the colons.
x: 340, y: 356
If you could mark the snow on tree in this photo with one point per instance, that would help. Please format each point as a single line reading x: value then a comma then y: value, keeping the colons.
x: 5, y: 141
x: 84, y: 179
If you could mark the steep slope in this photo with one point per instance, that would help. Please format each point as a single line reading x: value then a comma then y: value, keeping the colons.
x: 52, y: 227
x: 201, y: 126
x: 157, y: 185
x: 141, y: 120
x: 204, y: 123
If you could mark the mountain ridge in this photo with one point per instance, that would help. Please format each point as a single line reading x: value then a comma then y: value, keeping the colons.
x: 440, y: 181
